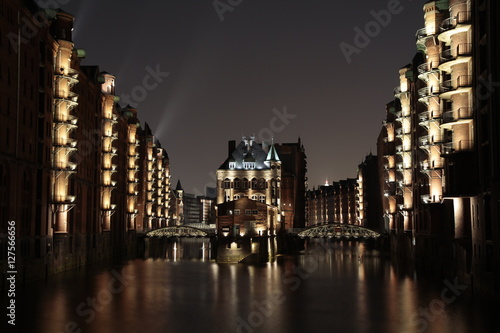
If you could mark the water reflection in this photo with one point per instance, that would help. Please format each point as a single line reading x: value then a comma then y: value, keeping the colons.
x: 332, y: 286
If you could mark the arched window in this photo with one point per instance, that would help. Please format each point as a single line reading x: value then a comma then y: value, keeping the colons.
x: 237, y: 183
x: 254, y: 183
x: 227, y: 183
x: 244, y: 184
x: 261, y: 184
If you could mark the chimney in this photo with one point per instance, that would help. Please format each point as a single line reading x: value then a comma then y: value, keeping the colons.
x: 231, y: 147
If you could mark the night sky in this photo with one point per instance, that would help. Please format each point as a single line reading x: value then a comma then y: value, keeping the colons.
x: 225, y: 77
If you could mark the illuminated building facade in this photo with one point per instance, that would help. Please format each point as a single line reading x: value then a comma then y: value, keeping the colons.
x: 78, y: 174
x: 335, y: 203
x: 270, y: 174
x: 438, y: 149
x: 368, y: 198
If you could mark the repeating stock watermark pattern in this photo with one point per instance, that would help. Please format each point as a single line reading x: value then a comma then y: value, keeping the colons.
x: 224, y: 6
x: 91, y: 306
x: 150, y: 82
x: 292, y: 279
x: 364, y: 35
x: 277, y: 124
x: 437, y: 307
x: 30, y: 29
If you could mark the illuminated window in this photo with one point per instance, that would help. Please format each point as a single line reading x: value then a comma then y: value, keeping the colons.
x: 232, y: 165
x: 249, y: 165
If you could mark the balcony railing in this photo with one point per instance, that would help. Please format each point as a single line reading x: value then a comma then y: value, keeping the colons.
x: 429, y: 140
x: 428, y: 92
x: 64, y: 199
x: 402, y: 166
x: 464, y: 17
x: 457, y: 115
x: 428, y: 198
x: 69, y: 142
x: 398, y: 92
x: 431, y: 165
x: 461, y: 82
x: 458, y: 146
x: 461, y: 50
x: 428, y: 115
x: 427, y: 67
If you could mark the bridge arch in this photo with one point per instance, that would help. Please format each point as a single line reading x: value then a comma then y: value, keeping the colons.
x: 338, y: 230
x: 178, y: 231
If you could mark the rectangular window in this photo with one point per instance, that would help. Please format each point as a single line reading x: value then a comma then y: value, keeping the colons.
x: 248, y: 212
x: 236, y: 212
x: 255, y: 212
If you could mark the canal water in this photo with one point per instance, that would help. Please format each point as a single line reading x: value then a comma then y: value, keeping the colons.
x: 331, y: 286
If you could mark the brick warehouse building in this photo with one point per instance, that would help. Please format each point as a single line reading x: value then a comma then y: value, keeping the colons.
x: 439, y: 146
x: 270, y: 174
x: 79, y: 174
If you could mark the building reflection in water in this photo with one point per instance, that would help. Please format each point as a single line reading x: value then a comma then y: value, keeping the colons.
x: 332, y: 286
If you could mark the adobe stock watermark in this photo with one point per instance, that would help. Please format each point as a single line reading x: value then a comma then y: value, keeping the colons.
x: 485, y: 88
x: 277, y: 124
x: 372, y: 29
x: 88, y: 308
x: 150, y: 82
x: 437, y: 307
x: 292, y: 279
x: 223, y: 6
x: 29, y: 29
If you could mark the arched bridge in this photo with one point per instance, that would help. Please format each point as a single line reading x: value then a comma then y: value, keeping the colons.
x: 179, y: 231
x: 338, y: 230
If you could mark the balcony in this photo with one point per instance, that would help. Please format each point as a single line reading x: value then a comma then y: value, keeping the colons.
x: 427, y: 117
x: 427, y: 92
x: 398, y: 93
x: 459, y: 116
x: 462, y: 84
x: 402, y: 166
x: 454, y: 25
x: 421, y: 36
x: 462, y: 18
x: 400, y: 118
x: 71, y: 77
x: 111, y: 185
x: 457, y: 147
x: 429, y: 199
x: 65, y: 166
x: 67, y: 143
x: 457, y: 55
x: 426, y: 141
x: 64, y: 199
x: 403, y: 207
x: 425, y: 69
x: 109, y: 167
x: 431, y: 165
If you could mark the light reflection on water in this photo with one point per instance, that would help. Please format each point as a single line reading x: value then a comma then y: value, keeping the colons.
x: 332, y: 287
